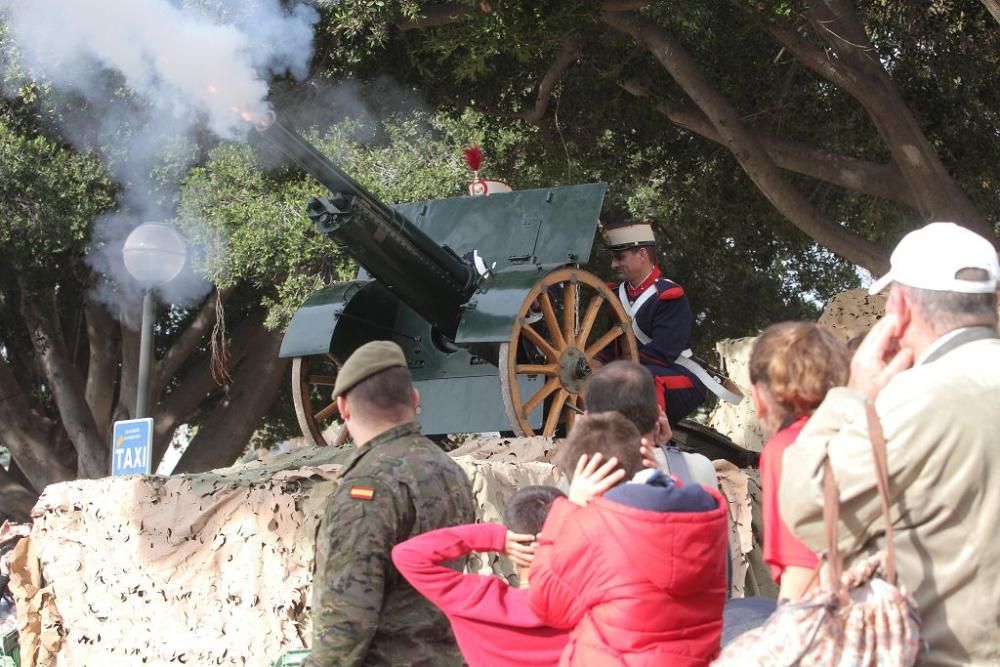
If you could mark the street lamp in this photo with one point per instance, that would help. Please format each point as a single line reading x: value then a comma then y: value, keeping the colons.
x: 154, y: 254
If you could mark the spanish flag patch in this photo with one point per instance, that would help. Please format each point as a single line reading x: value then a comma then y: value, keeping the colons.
x: 362, y: 492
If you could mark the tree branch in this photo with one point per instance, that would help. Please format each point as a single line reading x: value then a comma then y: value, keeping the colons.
x: 197, y: 384
x: 871, y: 178
x: 838, y: 25
x: 994, y: 8
x: 436, y: 15
x: 188, y: 341
x: 255, y: 384
x: 569, y: 52
x: 932, y: 190
x: 65, y: 383
x: 815, y: 58
x: 623, y: 5
x: 745, y: 147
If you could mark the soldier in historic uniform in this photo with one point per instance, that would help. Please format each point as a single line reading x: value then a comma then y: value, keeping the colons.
x: 661, y: 322
x: 398, y: 484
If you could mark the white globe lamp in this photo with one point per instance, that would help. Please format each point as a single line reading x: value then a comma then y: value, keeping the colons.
x: 154, y: 254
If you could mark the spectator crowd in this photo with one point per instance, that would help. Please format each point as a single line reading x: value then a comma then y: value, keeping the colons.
x: 881, y: 475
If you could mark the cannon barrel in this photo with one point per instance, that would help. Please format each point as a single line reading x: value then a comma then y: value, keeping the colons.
x: 429, y: 278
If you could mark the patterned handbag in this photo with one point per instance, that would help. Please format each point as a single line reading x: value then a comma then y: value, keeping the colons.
x: 856, y: 618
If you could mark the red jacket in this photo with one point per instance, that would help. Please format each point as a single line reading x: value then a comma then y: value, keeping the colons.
x: 640, y: 587
x: 492, y: 621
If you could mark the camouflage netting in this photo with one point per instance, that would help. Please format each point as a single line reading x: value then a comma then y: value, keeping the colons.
x: 853, y: 312
x: 737, y: 422
x: 215, y: 569
x: 741, y: 488
x: 210, y: 569
x: 847, y: 314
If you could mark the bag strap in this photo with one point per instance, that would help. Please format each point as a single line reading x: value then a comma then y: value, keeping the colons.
x: 676, y: 464
x: 831, y: 504
x: 831, y: 515
x: 880, y: 454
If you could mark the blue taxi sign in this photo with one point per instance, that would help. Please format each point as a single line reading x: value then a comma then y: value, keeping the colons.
x: 132, y: 447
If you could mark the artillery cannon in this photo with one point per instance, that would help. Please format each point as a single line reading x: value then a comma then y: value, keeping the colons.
x: 503, y: 348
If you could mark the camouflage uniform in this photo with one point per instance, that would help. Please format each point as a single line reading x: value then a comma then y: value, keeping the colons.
x: 363, y: 611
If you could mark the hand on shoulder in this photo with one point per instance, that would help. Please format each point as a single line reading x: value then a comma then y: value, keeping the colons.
x: 591, y: 479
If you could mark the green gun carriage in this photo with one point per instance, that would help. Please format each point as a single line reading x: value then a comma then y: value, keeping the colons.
x: 505, y: 347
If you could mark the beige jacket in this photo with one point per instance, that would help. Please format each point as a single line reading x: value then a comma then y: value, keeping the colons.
x: 942, y: 426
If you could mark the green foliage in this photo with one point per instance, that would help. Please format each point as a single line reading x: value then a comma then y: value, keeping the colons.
x: 742, y: 263
x: 353, y: 31
x: 49, y: 197
x: 477, y: 75
x: 253, y: 223
x: 741, y: 267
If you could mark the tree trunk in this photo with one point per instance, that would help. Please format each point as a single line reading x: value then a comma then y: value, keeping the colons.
x: 197, y: 384
x: 225, y: 434
x: 15, y: 500
x: 66, y: 386
x: 746, y: 148
x: 102, y: 365
x: 23, y: 431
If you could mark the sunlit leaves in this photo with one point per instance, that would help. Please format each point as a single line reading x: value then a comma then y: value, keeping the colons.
x: 49, y: 196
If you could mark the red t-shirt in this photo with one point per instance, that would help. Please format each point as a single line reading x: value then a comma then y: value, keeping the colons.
x: 781, y: 548
x: 492, y: 621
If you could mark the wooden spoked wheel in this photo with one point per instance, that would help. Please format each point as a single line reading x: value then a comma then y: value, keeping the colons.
x: 312, y: 385
x: 569, y: 316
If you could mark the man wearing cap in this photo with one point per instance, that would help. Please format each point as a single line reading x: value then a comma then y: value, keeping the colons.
x: 661, y: 319
x: 397, y: 485
x: 931, y: 368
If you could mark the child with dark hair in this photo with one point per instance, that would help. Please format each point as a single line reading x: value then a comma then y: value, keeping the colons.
x: 526, y: 511
x: 635, y: 570
x: 492, y: 621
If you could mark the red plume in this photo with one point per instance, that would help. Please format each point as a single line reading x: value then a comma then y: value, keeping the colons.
x: 473, y: 157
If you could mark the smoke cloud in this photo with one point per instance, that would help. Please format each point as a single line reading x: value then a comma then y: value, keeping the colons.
x: 141, y: 81
x: 214, y: 59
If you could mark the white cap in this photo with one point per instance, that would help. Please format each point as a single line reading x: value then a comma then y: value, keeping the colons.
x: 632, y: 235
x: 929, y: 258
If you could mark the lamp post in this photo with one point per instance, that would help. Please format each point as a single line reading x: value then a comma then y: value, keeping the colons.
x: 154, y: 254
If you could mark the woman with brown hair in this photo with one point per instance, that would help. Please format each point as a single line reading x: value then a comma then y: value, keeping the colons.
x: 792, y: 367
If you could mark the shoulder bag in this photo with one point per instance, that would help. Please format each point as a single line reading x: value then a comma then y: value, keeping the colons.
x: 859, y: 617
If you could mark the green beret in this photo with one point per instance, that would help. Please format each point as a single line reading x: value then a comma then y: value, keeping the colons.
x: 365, y: 362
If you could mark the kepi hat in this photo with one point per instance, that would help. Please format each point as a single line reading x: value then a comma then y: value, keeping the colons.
x: 366, y: 361
x: 931, y: 257
x: 631, y: 235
